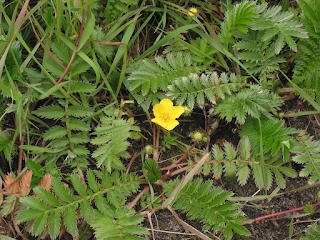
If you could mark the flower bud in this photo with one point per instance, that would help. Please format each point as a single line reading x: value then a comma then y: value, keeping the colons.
x: 187, y: 111
x: 197, y: 136
x: 149, y: 149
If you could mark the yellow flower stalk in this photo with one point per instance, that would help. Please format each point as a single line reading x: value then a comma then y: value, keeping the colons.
x: 192, y: 12
x: 165, y: 114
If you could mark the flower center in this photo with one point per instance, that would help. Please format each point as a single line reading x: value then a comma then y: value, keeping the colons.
x: 165, y: 116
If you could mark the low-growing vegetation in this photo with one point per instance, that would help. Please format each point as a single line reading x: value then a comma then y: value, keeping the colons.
x: 100, y: 125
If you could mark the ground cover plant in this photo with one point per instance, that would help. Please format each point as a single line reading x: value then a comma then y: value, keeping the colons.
x: 97, y: 99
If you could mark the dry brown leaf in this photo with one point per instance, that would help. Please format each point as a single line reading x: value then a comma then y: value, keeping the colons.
x: 46, y: 182
x: 25, y: 184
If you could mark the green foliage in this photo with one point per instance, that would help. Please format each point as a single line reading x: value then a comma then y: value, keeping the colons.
x: 259, y: 57
x: 253, y: 101
x: 307, y: 62
x: 115, y: 8
x: 199, y: 49
x: 12, y: 64
x: 169, y: 141
x: 280, y: 26
x: 262, y: 33
x: 62, y: 207
x: 312, y: 233
x: 6, y: 146
x: 241, y: 162
x: 103, y: 51
x: 121, y: 223
x: 237, y: 18
x: 151, y: 170
x: 197, y: 89
x: 308, y: 153
x: 308, y: 208
x: 70, y: 138
x: 275, y: 137
x: 111, y: 141
x: 151, y: 77
x: 210, y: 205
x: 230, y: 161
x: 57, y: 63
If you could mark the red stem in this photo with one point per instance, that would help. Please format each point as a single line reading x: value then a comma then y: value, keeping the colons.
x: 136, y: 199
x: 179, y: 160
x: 279, y: 213
x: 75, y: 48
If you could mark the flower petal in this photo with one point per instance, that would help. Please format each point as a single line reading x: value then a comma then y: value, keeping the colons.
x: 160, y: 122
x: 167, y: 103
x: 176, y: 111
x: 158, y: 110
x: 171, y: 124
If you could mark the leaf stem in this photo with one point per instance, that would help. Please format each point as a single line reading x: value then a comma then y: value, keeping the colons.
x: 279, y: 213
x: 75, y: 47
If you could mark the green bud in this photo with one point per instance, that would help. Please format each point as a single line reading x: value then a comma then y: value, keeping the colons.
x: 149, y: 149
x: 187, y: 111
x: 196, y: 136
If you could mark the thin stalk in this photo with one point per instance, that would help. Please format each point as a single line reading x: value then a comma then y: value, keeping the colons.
x: 75, y: 47
x: 279, y: 213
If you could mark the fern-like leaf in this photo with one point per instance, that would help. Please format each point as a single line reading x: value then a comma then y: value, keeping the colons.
x: 111, y: 140
x: 259, y: 56
x: 307, y: 61
x: 124, y: 225
x: 238, y: 161
x: 50, y: 211
x: 152, y: 76
x: 213, y: 206
x: 51, y: 112
x: 312, y: 233
x: 308, y: 153
x: 276, y: 23
x: 197, y: 89
x: 237, y: 18
x: 275, y: 138
x: 152, y: 170
x: 251, y: 101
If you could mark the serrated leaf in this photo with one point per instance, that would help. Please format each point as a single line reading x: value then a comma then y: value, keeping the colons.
x: 243, y: 175
x: 55, y: 132
x: 51, y: 112
x: 35, y: 168
x: 86, y: 211
x: 103, y: 206
x: 70, y: 220
x: 79, y: 111
x: 39, y: 224
x: 46, y: 196
x: 75, y: 86
x: 28, y: 214
x: 35, y: 203
x: 240, y: 229
x: 78, y: 185
x: 279, y: 178
x: 152, y: 170
x: 92, y: 182
x: 288, y: 171
x: 54, y: 224
x: 61, y: 191
x: 78, y: 125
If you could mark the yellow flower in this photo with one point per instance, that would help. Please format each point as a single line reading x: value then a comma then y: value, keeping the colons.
x: 192, y: 12
x: 165, y: 114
